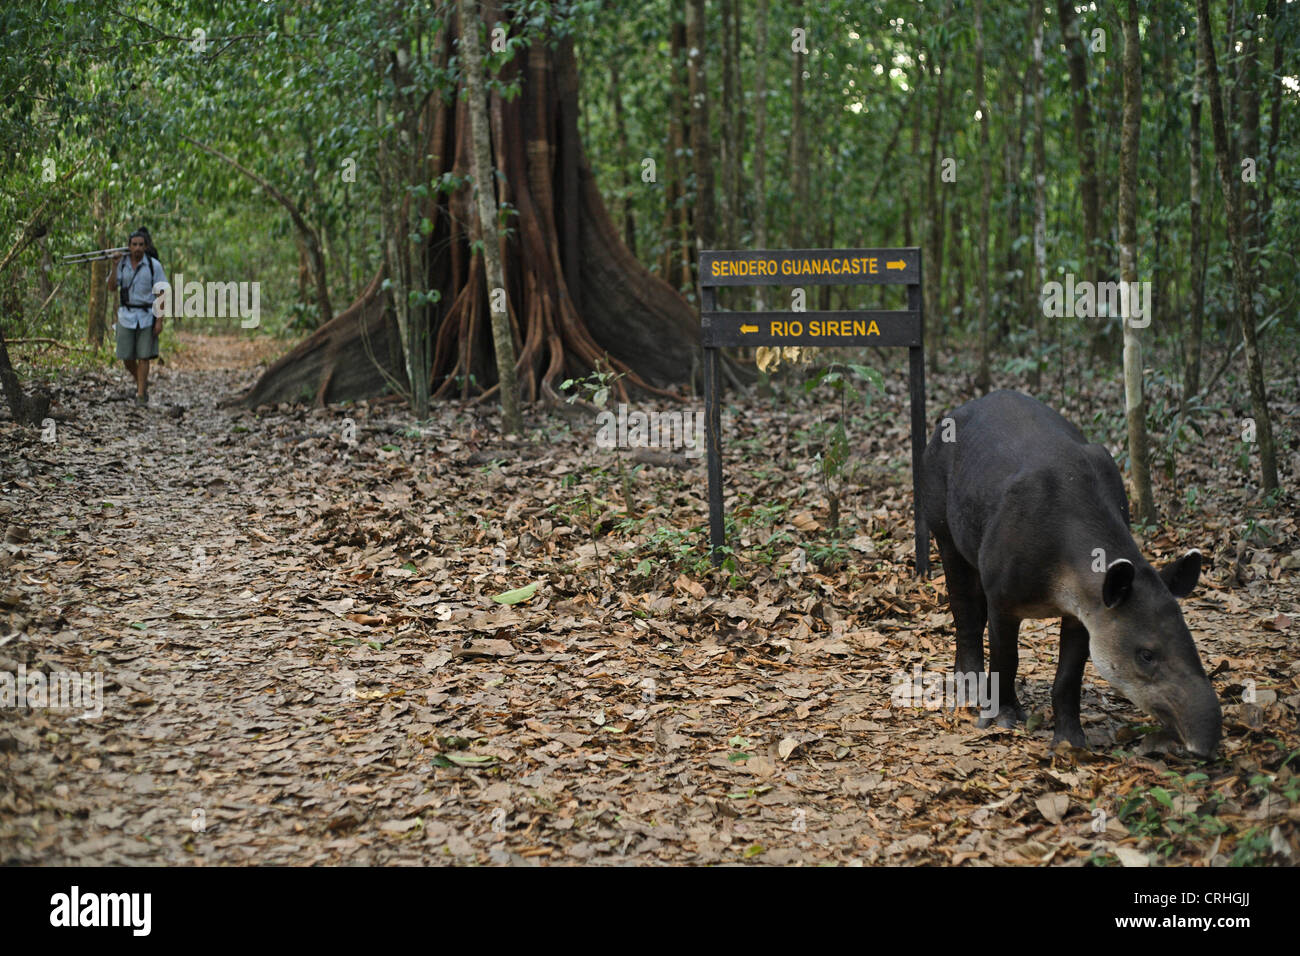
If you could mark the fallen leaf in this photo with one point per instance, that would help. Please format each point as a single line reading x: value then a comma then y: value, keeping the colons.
x: 518, y: 595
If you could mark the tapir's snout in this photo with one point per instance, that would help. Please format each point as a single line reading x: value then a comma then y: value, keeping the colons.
x: 1202, y: 724
x: 1192, y: 712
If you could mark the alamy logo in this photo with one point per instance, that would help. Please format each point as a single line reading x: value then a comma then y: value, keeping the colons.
x: 58, y: 690
x: 934, y: 691
x: 209, y: 300
x: 1089, y: 300
x: 102, y: 909
x: 651, y: 430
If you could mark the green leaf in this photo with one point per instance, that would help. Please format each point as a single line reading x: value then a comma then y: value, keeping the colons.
x: 518, y: 595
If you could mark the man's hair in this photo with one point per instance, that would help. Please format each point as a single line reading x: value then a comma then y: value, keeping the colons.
x: 149, y: 249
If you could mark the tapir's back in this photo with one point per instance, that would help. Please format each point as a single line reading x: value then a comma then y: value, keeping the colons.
x: 1008, y: 455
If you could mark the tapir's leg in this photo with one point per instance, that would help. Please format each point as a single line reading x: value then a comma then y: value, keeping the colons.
x: 1068, y: 683
x: 969, y: 609
x: 1004, y: 659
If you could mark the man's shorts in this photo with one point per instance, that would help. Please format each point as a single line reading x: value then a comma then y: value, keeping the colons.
x: 136, y: 343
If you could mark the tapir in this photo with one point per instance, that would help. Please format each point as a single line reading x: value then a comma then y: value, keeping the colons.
x: 1032, y: 522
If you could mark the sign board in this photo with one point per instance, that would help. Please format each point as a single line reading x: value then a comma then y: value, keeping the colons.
x: 796, y: 268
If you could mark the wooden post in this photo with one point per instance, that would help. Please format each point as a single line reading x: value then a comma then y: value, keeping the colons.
x: 713, y: 439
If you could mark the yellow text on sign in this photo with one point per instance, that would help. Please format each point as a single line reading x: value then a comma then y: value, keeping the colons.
x: 826, y: 328
x: 828, y: 266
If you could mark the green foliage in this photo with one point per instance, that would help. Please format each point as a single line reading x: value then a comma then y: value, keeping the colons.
x: 595, y: 386
x: 1153, y: 813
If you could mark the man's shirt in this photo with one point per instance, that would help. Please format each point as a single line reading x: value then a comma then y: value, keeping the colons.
x: 139, y: 314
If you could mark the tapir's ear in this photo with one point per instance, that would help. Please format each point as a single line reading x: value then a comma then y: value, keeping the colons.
x: 1119, y: 582
x: 1181, y: 575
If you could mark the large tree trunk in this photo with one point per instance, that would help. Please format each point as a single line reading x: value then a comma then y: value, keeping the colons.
x: 577, y: 298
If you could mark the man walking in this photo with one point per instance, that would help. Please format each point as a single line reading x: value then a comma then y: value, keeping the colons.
x: 137, y: 326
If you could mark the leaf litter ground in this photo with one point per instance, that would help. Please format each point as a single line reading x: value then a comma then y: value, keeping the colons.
x: 303, y: 660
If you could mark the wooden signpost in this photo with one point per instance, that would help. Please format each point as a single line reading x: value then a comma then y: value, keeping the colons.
x: 805, y: 267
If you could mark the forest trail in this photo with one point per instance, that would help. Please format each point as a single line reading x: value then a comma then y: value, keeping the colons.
x: 302, y: 662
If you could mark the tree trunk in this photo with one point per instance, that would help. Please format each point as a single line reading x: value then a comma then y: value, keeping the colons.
x: 706, y: 221
x: 1038, y: 272
x: 1192, y: 379
x: 1085, y: 143
x: 1276, y: 117
x: 1166, y: 83
x: 913, y: 173
x: 1076, y: 62
x: 677, y: 255
x: 957, y: 308
x: 398, y: 133
x: 562, y: 250
x: 798, y: 148
x: 97, y: 324
x: 932, y: 277
x: 1247, y: 97
x: 1013, y: 160
x: 760, y: 141
x: 25, y: 409
x: 729, y: 195
x: 983, y: 376
x: 1242, y: 277
x: 485, y: 189
x: 1134, y: 403
x: 43, y: 270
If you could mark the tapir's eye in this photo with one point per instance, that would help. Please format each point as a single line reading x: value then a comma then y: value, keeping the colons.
x: 1145, y: 656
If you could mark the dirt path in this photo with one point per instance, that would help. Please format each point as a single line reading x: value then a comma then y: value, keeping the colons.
x: 302, y: 662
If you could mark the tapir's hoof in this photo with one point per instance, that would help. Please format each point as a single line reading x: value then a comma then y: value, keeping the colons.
x: 1074, y: 738
x: 1008, y: 716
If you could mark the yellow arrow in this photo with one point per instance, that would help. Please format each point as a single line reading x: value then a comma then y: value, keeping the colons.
x: 749, y: 328
x: 896, y: 264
